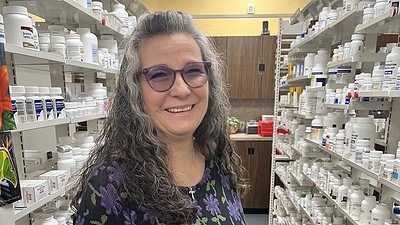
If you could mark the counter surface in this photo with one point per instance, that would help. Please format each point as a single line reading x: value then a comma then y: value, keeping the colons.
x: 249, y: 137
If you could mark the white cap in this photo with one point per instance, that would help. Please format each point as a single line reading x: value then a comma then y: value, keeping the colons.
x: 55, y: 91
x: 119, y: 6
x: 76, y: 150
x: 65, y: 155
x: 17, y: 89
x: 363, y: 142
x: 365, y: 120
x: 14, y: 9
x: 31, y: 90
x: 72, y: 36
x: 375, y: 154
x: 57, y: 39
x: 82, y: 30
x: 44, y: 90
x: 387, y: 156
x: 96, y: 3
x: 71, y: 105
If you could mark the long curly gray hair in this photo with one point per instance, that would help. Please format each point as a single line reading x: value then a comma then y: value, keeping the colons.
x: 130, y: 136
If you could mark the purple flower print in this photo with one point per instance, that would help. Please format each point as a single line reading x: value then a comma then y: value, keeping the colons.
x: 113, y: 174
x: 198, y: 208
x: 225, y: 181
x: 149, y: 216
x: 212, y: 204
x: 79, y: 220
x: 207, y: 175
x: 237, y: 201
x: 234, y: 210
x: 110, y: 199
x: 130, y: 217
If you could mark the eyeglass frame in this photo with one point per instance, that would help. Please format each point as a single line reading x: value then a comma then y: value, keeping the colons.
x: 207, y: 67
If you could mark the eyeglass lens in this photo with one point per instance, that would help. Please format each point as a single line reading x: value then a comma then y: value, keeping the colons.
x: 162, y: 78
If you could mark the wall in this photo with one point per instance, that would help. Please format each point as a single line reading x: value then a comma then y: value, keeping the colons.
x: 229, y: 27
x: 246, y: 110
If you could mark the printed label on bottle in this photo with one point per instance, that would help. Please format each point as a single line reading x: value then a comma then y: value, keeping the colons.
x: 315, y: 131
x: 74, y: 53
x: 89, y: 4
x: 27, y: 37
x: 39, y: 110
x: 95, y: 53
x: 2, y: 35
x: 59, y: 103
x: 82, y: 53
x: 356, y: 208
x: 395, y: 174
x: 49, y: 109
x: 30, y: 111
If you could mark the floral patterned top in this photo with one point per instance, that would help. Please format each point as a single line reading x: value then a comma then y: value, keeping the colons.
x: 102, y: 204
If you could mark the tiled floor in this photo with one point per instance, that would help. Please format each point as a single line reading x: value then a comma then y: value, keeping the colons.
x: 257, y: 219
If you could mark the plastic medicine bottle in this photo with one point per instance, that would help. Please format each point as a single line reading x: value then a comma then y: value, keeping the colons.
x: 18, y: 104
x: 18, y: 26
x: 379, y: 214
x: 34, y: 106
x: 58, y: 101
x: 44, y: 93
x: 90, y: 45
x: 120, y: 12
x: 392, y: 64
x: 74, y: 47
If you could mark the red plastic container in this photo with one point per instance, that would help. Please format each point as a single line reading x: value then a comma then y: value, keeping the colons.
x: 266, y: 128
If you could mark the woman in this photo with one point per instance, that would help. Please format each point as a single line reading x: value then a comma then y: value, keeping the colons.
x: 165, y: 156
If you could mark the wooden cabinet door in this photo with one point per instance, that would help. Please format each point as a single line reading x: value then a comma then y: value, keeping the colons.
x: 242, y: 150
x: 268, y: 76
x: 260, y: 174
x: 243, y: 58
x: 256, y: 158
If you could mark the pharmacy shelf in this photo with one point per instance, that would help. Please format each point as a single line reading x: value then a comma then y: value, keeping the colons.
x: 315, y: 89
x: 80, y: 67
x: 70, y: 14
x: 363, y: 57
x: 380, y: 142
x: 310, y: 154
x: 88, y: 118
x: 302, y: 210
x: 331, y: 200
x: 287, y: 41
x: 55, y: 122
x: 282, y: 158
x: 389, y: 184
x: 41, y: 124
x: 299, y: 80
x: 110, y: 71
x: 298, y: 115
x: 19, y: 213
x: 356, y: 105
x: 361, y: 169
x: 302, y: 184
x: 385, y: 23
x: 288, y: 106
x: 334, y: 154
x: 33, y: 57
x: 346, y: 22
x: 383, y: 94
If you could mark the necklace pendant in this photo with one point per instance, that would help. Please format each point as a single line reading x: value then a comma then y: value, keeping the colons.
x: 191, y: 192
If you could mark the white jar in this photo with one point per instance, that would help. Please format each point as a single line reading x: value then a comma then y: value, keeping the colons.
x: 365, y: 160
x: 58, y: 101
x: 18, y: 104
x: 45, y: 219
x: 71, y: 109
x: 335, y: 189
x: 105, y: 59
x: 36, y: 45
x: 34, y: 106
x: 349, y: 130
x: 66, y: 162
x: 355, y: 208
x: 339, y: 142
x: 369, y: 14
x: 332, y: 16
x: 107, y: 41
x: 44, y: 42
x: 377, y: 78
x: 132, y: 21
x: 379, y: 214
x: 317, y: 126
x: 366, y: 209
x: 357, y: 44
x: 18, y: 26
x: 318, y: 75
x: 346, y: 50
x: 97, y: 7
x: 90, y: 45
x: 2, y: 34
x: 120, y: 12
x: 375, y: 161
x: 74, y: 47
x: 379, y: 8
x: 392, y: 64
x: 58, y: 45
x: 78, y: 157
x: 396, y: 170
x: 47, y: 101
x: 321, y: 57
x: 323, y: 16
x: 364, y: 129
x: 342, y: 192
x: 344, y: 74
